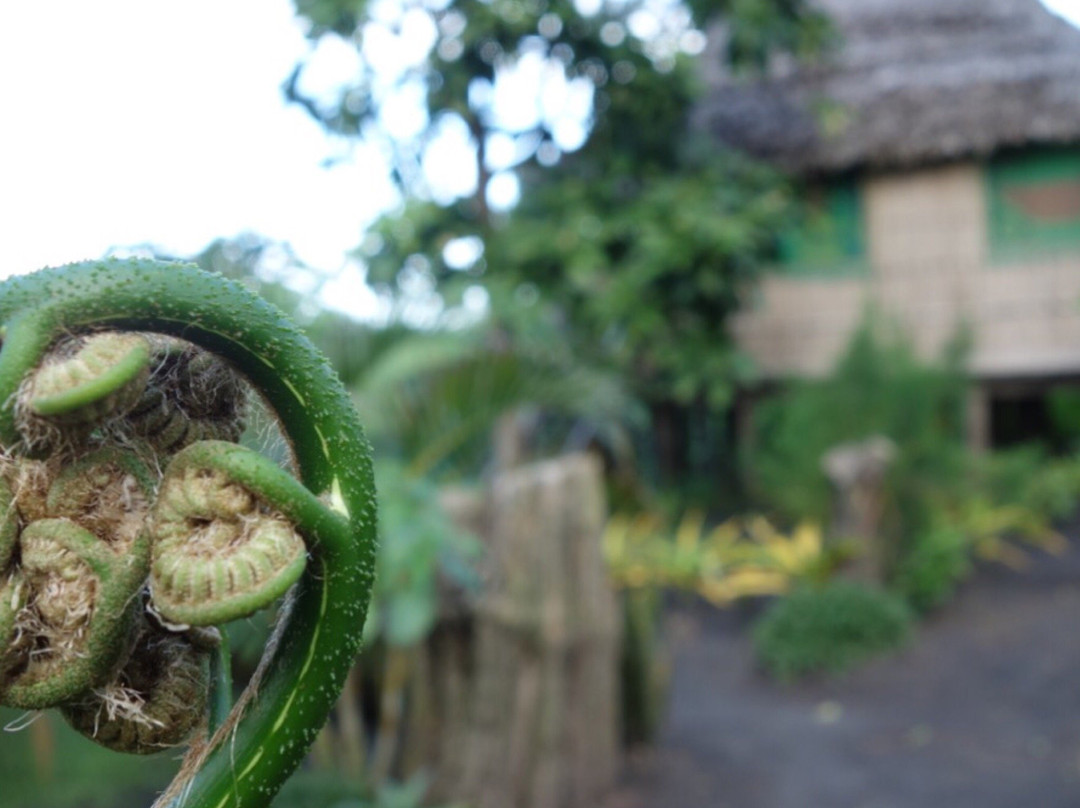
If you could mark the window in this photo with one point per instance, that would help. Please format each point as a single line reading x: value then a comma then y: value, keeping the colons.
x: 828, y: 238
x: 1034, y: 203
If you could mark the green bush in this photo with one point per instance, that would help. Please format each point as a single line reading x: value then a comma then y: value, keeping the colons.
x: 1055, y: 489
x: 942, y: 504
x: 1063, y: 405
x: 1026, y: 477
x: 879, y: 388
x: 1005, y: 475
x: 930, y: 571
x: 418, y: 545
x: 829, y: 629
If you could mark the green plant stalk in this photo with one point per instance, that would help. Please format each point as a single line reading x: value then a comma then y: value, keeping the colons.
x: 316, y: 642
x: 43, y: 744
x: 221, y: 683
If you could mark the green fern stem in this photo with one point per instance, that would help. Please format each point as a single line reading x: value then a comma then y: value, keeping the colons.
x: 316, y: 642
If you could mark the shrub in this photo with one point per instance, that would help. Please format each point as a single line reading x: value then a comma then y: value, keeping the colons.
x: 1025, y: 476
x: 1063, y: 405
x: 829, y: 629
x: 1055, y: 490
x: 879, y: 388
x: 929, y: 573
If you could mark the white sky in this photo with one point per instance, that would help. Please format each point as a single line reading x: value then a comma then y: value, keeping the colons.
x: 132, y: 121
x: 162, y: 121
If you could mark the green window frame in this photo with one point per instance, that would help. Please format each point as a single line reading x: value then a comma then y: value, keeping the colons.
x: 828, y: 237
x: 1033, y: 203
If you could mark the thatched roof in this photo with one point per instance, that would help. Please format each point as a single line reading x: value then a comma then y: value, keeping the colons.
x: 910, y: 81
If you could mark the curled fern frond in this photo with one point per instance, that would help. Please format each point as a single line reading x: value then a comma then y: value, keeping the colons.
x: 84, y: 381
x: 108, y: 492
x: 191, y: 395
x: 155, y: 702
x: 76, y: 622
x: 9, y: 524
x: 221, y: 552
x: 12, y: 600
x: 123, y: 388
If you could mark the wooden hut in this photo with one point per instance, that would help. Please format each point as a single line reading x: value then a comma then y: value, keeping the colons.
x: 939, y: 147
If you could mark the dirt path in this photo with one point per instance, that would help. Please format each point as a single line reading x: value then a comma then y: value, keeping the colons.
x: 981, y: 711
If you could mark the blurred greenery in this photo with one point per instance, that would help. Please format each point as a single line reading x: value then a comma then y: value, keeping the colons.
x: 828, y: 629
x: 1002, y: 505
x: 741, y: 557
x: 1063, y: 404
x: 433, y: 397
x: 629, y: 251
x: 49, y: 765
x: 327, y: 790
x: 935, y: 565
x: 879, y: 387
x: 419, y: 544
x: 944, y: 506
x: 1028, y: 477
x: 647, y: 270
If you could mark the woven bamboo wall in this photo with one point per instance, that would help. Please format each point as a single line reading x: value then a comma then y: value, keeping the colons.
x: 930, y: 269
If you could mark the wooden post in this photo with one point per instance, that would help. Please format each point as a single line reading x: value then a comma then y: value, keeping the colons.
x: 856, y: 472
x: 978, y: 418
x: 537, y: 723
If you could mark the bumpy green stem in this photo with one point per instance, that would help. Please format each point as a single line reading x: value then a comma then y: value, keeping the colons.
x: 220, y: 684
x: 315, y: 644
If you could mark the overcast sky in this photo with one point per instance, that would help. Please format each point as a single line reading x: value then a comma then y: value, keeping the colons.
x: 130, y: 121
x: 134, y: 121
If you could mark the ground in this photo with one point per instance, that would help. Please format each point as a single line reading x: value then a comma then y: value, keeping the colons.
x: 981, y: 710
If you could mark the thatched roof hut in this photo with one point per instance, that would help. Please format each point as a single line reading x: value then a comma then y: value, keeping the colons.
x: 910, y: 82
x: 940, y: 144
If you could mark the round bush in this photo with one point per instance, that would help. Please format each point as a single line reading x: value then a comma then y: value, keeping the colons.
x: 828, y: 629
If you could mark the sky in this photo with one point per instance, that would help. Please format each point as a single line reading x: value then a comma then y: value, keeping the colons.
x: 129, y: 122
x: 1069, y: 9
x: 139, y: 121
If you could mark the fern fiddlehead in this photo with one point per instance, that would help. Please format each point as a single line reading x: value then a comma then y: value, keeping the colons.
x: 218, y: 553
x: 99, y: 356
x: 157, y: 700
x: 90, y: 379
x: 78, y: 615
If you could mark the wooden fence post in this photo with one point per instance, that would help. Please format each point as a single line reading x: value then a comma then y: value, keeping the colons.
x: 535, y: 674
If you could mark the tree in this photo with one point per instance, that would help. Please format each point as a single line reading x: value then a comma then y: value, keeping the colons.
x: 632, y: 244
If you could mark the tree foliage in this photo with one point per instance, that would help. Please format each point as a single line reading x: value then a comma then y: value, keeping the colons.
x: 636, y: 243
